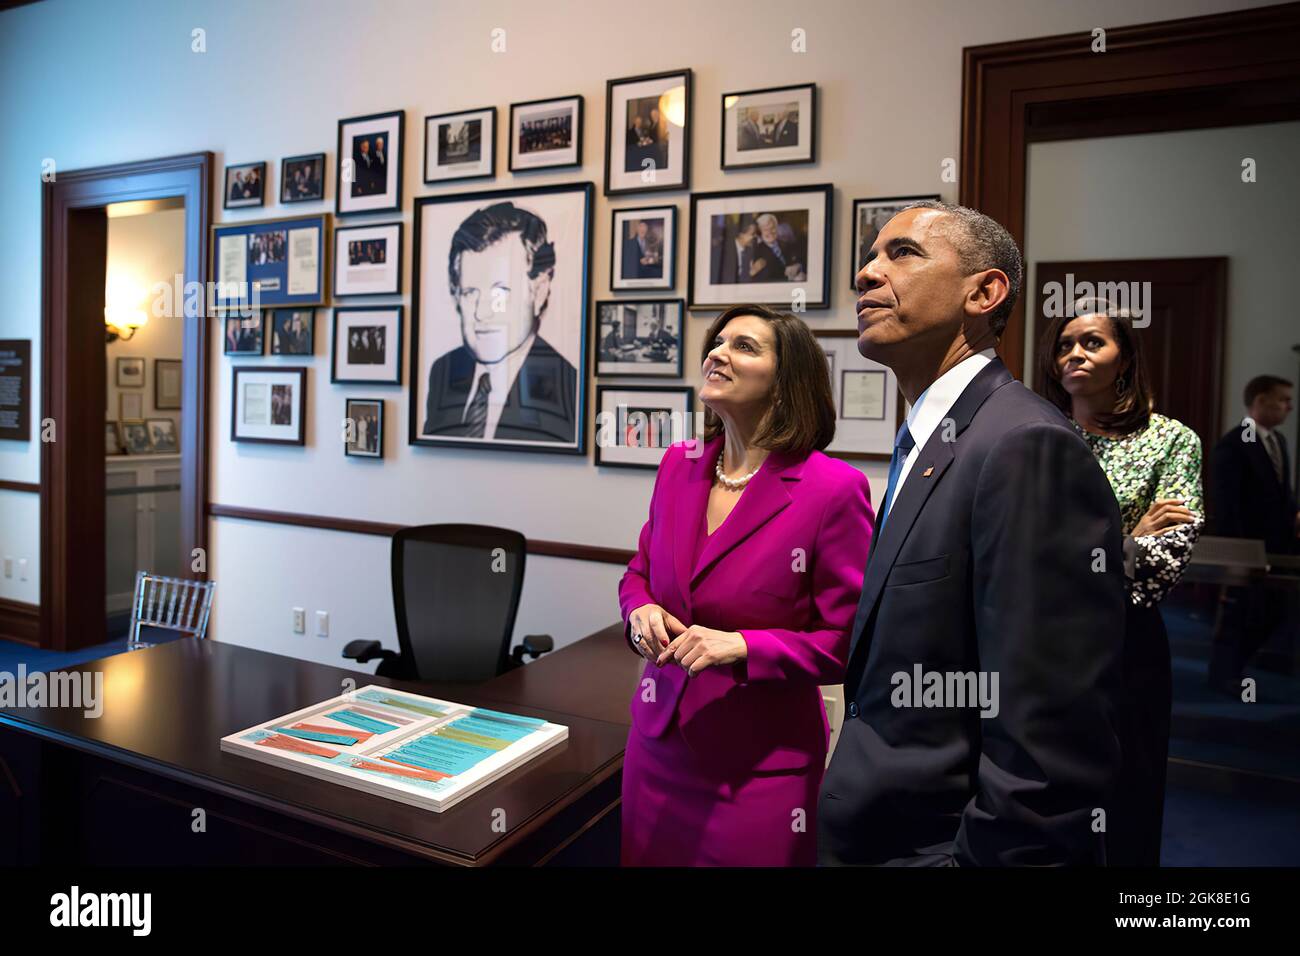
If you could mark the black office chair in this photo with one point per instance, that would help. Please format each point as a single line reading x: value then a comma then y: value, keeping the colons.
x: 455, y: 595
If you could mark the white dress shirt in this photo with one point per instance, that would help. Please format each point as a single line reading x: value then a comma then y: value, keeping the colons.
x: 933, y: 406
x: 502, y: 375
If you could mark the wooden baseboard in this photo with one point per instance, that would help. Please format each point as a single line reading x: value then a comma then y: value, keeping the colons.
x: 21, y: 622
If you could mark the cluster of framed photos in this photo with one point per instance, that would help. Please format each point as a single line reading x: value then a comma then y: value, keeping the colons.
x: 132, y: 433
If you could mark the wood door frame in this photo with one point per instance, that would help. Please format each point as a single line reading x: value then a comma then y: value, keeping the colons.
x: 1193, y: 73
x: 73, y: 381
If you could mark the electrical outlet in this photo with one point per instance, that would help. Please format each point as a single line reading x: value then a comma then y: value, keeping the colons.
x: 22, y: 569
x: 9, y: 567
x: 322, y: 623
x: 299, y: 621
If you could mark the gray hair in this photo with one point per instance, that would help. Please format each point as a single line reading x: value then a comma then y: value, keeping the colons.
x: 982, y: 244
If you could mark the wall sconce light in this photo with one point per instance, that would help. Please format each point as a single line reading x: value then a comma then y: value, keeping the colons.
x: 122, y: 323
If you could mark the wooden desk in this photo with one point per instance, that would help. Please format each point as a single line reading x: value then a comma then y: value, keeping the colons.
x: 123, y: 788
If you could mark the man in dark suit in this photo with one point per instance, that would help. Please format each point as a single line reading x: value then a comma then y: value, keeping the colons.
x: 641, y: 257
x: 774, y: 260
x: 366, y: 177
x: 984, y: 664
x: 733, y: 257
x: 505, y: 381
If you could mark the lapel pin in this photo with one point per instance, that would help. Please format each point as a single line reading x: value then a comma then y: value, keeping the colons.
x: 928, y: 472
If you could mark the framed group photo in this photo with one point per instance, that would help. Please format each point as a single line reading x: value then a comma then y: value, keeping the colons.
x: 369, y: 177
x: 293, y: 331
x: 244, y: 186
x: 642, y: 337
x: 768, y: 246
x: 274, y: 262
x: 869, y: 217
x: 644, y: 253
x: 460, y: 145
x: 364, y: 432
x: 546, y: 134
x: 499, y: 319
x: 367, y: 345
x: 648, y: 133
x: 635, y: 424
x: 869, y: 408
x: 368, y: 260
x: 302, y: 178
x: 268, y: 405
x: 245, y: 335
x: 772, y: 127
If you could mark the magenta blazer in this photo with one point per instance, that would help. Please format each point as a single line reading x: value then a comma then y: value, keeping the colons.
x: 784, y: 569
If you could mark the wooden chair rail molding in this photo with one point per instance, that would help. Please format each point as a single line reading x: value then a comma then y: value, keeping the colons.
x: 549, y: 549
x: 31, y: 487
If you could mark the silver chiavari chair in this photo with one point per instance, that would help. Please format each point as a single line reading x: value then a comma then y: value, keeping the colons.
x: 173, y: 603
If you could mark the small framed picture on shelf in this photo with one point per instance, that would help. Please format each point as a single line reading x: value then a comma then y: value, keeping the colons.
x: 112, y: 439
x: 135, y: 438
x: 772, y: 127
x: 869, y: 409
x: 367, y: 345
x: 130, y: 372
x: 302, y: 178
x: 636, y: 423
x: 130, y: 406
x: 245, y: 186
x: 245, y: 335
x: 460, y: 145
x: 293, y: 331
x: 369, y: 177
x: 368, y: 260
x: 869, y: 217
x: 644, y: 253
x: 639, y: 337
x: 648, y: 133
x: 268, y: 405
x: 167, y: 384
x: 162, y: 433
x: 546, y: 134
x: 364, y: 428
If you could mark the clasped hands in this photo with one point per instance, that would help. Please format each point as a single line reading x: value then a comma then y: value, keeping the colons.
x: 664, y: 639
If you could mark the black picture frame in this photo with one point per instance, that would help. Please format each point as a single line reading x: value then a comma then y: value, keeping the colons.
x: 393, y: 153
x: 511, y: 157
x: 285, y: 178
x: 601, y: 390
x: 347, y: 414
x: 161, y: 402
x: 399, y: 313
x: 489, y: 143
x: 615, y: 252
x: 300, y: 371
x: 309, y: 348
x: 610, y: 87
x: 812, y: 136
x: 260, y: 318
x: 247, y: 203
x: 129, y: 361
x: 340, y: 265
x: 596, y: 338
x: 854, y: 266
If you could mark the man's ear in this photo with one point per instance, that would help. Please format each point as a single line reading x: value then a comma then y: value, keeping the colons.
x: 541, y: 286
x: 990, y: 290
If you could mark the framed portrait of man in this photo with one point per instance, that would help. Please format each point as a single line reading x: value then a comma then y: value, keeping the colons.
x: 499, y: 319
x: 293, y: 331
x: 648, y: 133
x: 644, y: 253
x: 369, y: 164
x: 869, y: 217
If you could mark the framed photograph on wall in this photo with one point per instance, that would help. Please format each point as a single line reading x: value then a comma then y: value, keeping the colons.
x: 635, y: 424
x: 768, y: 246
x: 772, y: 127
x: 130, y: 372
x: 640, y: 337
x: 135, y: 438
x: 499, y: 319
x: 546, y: 134
x: 460, y: 145
x: 167, y: 384
x: 268, y: 405
x: 869, y: 409
x: 869, y: 217
x: 245, y: 335
x: 302, y: 178
x: 293, y: 331
x: 369, y: 175
x: 273, y: 262
x: 112, y: 439
x: 162, y: 433
x: 644, y: 253
x: 130, y: 406
x: 364, y: 432
x: 245, y: 186
x: 648, y: 133
x: 368, y: 260
x: 367, y: 345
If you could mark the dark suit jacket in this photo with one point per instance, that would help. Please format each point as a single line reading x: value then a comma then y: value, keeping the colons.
x: 632, y: 267
x: 540, y: 406
x: 728, y: 266
x: 773, y: 268
x: 1249, y: 501
x: 985, y: 564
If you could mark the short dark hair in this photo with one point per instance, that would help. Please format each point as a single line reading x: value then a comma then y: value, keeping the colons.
x: 1133, y: 409
x: 983, y: 244
x: 1262, y: 385
x: 801, y: 416
x: 485, y: 226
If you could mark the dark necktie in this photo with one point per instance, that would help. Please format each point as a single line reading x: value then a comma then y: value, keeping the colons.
x: 903, y: 446
x: 776, y: 248
x: 476, y: 414
x: 1274, y: 454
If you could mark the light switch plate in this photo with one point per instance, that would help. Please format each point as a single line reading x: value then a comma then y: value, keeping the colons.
x: 322, y: 623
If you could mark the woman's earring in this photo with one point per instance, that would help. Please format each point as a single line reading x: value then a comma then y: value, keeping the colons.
x: 1121, y: 386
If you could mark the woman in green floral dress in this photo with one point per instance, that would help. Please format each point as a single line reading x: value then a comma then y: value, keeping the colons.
x: 1091, y: 367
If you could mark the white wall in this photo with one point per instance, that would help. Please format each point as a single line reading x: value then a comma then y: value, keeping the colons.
x: 87, y: 84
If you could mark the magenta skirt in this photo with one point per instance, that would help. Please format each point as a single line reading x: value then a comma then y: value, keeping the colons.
x: 677, y: 812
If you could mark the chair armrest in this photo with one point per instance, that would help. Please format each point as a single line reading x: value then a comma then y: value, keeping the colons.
x: 534, y: 645
x: 363, y: 652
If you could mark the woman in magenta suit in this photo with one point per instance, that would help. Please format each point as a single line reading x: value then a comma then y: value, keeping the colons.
x: 741, y: 598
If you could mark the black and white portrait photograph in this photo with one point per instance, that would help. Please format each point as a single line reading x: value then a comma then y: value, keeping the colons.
x: 546, y: 134
x: 769, y: 246
x: 245, y: 335
x: 773, y: 127
x: 647, y: 133
x: 293, y: 331
x: 869, y: 217
x: 639, y: 337
x: 498, y: 356
x: 368, y: 260
x: 644, y: 254
x: 130, y: 372
x: 460, y: 145
x: 302, y: 178
x: 269, y: 405
x: 363, y: 428
x: 367, y: 345
x: 162, y: 435
x: 370, y: 164
x: 636, y: 423
x: 244, y: 186
x: 135, y: 438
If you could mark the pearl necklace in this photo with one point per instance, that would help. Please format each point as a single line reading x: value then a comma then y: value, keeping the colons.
x: 732, y: 484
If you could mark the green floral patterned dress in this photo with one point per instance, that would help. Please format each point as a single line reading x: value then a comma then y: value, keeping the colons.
x: 1162, y: 460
